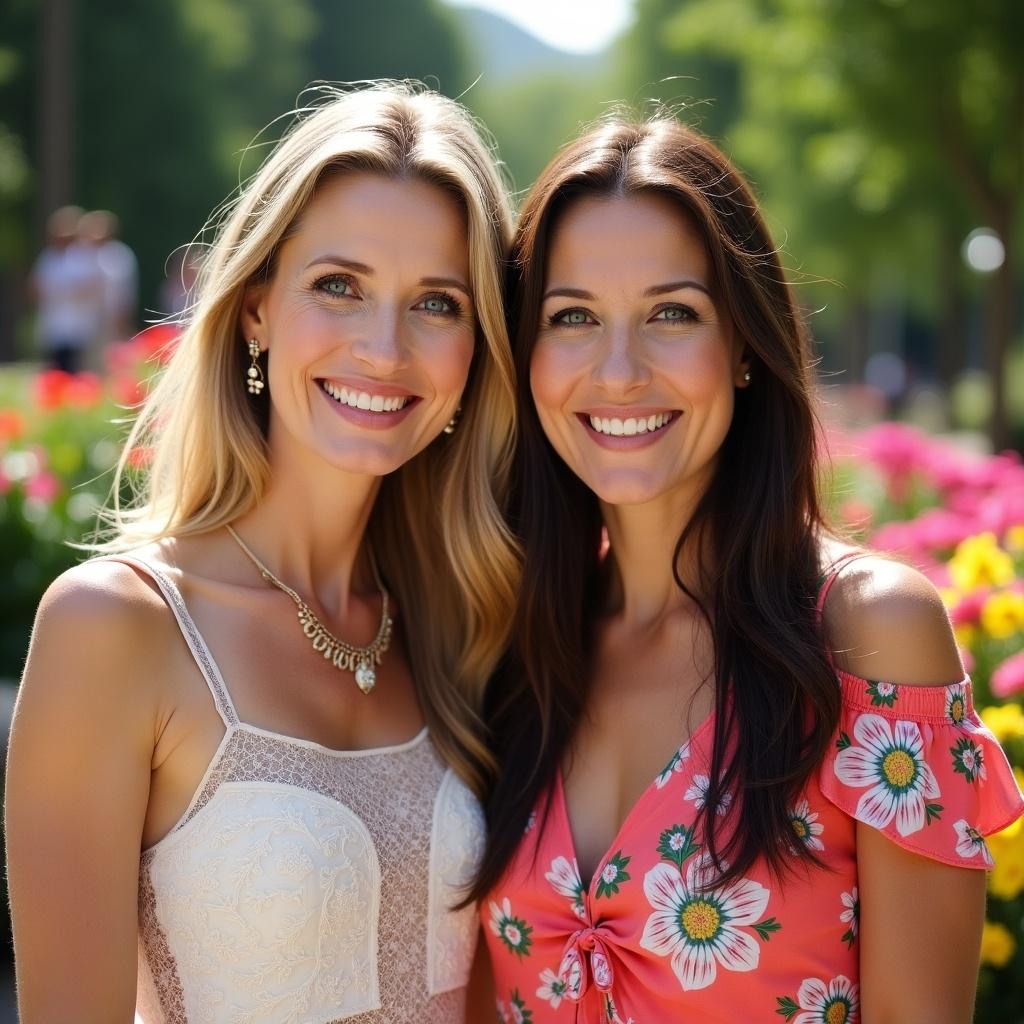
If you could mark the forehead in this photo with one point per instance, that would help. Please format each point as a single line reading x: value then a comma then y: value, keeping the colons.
x: 646, y: 235
x: 372, y: 217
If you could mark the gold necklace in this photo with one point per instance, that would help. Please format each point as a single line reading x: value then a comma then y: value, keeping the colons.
x: 344, y: 656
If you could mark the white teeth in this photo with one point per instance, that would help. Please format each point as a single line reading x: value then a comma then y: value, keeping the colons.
x: 364, y: 400
x: 631, y: 426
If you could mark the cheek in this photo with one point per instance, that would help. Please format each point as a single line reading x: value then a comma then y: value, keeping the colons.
x: 446, y: 362
x: 552, y: 373
x: 702, y: 371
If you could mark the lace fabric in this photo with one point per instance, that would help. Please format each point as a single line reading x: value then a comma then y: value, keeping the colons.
x: 308, y: 886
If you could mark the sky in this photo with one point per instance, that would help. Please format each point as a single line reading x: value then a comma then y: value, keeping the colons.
x: 580, y: 26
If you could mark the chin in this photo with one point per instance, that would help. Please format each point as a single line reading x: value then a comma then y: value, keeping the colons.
x: 626, y: 488
x: 371, y: 460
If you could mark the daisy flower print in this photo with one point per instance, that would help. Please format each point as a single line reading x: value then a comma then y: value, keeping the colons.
x: 970, y: 843
x: 698, y: 791
x: 834, y: 1003
x: 513, y: 931
x: 702, y: 929
x: 564, y: 877
x: 806, y: 826
x: 889, y: 763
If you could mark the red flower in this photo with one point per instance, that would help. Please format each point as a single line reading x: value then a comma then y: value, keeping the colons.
x: 157, y: 342
x: 140, y: 457
x: 83, y: 391
x: 51, y: 388
x: 12, y: 425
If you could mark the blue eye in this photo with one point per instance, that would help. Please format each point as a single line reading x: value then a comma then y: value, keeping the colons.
x: 675, y: 314
x: 571, y: 318
x: 334, y: 285
x: 441, y: 304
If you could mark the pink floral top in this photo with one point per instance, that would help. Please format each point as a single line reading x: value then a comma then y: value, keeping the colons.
x: 643, y: 945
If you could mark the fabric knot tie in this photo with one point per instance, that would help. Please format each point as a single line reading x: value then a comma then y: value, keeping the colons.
x: 584, y: 947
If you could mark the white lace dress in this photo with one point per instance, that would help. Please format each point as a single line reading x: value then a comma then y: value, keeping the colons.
x: 305, y: 885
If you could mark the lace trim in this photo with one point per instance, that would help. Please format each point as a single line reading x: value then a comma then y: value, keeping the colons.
x: 194, y: 639
x: 456, y: 847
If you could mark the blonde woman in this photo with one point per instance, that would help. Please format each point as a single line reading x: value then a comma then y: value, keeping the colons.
x: 245, y: 755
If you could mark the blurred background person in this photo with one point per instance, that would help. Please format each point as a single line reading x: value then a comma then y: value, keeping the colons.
x: 67, y: 288
x: 119, y: 275
x: 176, y: 287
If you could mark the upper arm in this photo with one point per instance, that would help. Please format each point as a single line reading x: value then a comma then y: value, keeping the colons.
x: 920, y: 919
x: 886, y: 621
x: 77, y: 788
x: 480, y: 993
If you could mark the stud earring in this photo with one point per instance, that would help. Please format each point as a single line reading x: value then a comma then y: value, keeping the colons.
x: 449, y: 427
x: 746, y: 377
x: 254, y: 375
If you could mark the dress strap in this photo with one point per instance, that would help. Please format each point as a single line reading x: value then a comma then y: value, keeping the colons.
x: 831, y: 574
x: 196, y: 643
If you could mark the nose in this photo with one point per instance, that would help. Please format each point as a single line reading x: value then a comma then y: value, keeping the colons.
x: 621, y: 367
x: 379, y: 346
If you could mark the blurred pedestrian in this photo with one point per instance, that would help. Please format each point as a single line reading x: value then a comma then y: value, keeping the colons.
x: 67, y: 287
x: 177, y: 286
x: 119, y: 271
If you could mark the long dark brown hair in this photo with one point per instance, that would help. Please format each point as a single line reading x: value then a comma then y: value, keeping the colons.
x: 758, y: 525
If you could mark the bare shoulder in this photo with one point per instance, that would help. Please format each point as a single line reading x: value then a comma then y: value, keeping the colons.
x: 97, y: 627
x: 885, y: 620
x: 104, y: 600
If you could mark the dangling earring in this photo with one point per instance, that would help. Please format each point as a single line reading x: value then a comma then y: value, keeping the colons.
x: 449, y: 427
x: 254, y: 375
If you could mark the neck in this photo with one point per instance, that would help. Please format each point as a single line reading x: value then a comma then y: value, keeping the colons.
x: 643, y: 540
x: 309, y: 529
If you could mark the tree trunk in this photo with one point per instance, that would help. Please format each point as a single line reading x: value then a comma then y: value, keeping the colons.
x: 56, y: 108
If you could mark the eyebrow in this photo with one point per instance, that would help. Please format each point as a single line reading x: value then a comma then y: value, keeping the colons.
x: 367, y: 271
x: 658, y: 289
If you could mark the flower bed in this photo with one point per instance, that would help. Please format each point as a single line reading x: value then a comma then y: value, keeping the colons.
x: 960, y: 519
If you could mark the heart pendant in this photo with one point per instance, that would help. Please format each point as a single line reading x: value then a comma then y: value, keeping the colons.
x: 366, y: 677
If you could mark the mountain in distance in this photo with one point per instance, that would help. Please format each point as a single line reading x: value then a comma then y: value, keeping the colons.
x: 501, y: 51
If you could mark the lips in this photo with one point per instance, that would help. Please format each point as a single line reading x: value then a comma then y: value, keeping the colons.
x: 373, y: 407
x: 629, y: 426
x: 371, y: 401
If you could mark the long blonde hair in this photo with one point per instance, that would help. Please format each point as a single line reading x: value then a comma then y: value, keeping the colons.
x: 437, y: 528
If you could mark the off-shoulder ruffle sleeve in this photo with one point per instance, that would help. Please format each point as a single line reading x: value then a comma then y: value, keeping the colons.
x: 918, y: 763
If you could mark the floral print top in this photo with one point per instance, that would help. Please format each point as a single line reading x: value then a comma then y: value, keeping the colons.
x: 643, y: 944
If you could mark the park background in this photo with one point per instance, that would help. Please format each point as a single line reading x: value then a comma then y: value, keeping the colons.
x: 884, y: 137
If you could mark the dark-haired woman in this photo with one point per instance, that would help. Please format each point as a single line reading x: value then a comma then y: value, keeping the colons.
x: 762, y: 787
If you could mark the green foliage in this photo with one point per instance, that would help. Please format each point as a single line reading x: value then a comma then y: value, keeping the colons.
x: 168, y: 97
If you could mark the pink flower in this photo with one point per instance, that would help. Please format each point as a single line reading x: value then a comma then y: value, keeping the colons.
x: 1008, y: 678
x: 968, y: 610
x: 44, y: 486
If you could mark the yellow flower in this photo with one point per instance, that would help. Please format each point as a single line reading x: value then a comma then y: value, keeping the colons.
x: 950, y: 597
x: 997, y: 944
x: 1015, y: 539
x: 1007, y: 848
x: 1005, y: 720
x: 1002, y: 614
x: 965, y: 634
x: 980, y: 562
x: 1006, y: 880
